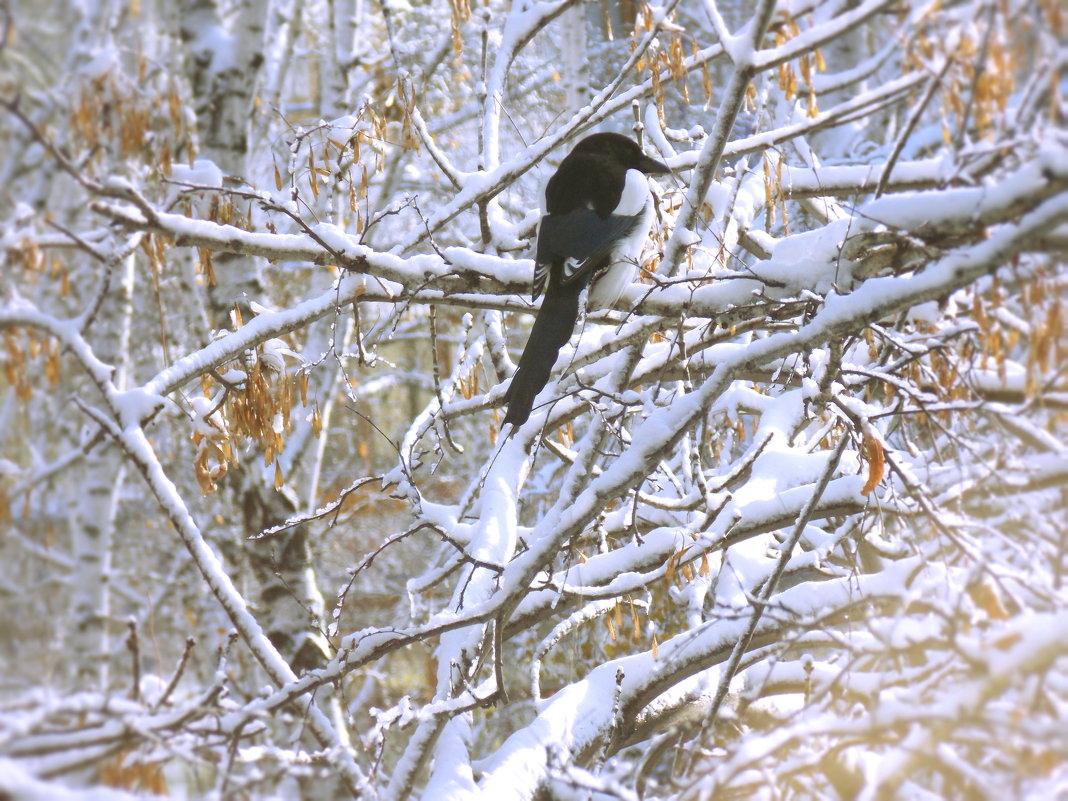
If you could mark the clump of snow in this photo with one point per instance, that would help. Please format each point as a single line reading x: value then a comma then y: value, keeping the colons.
x: 337, y: 240
x: 103, y: 61
x: 204, y: 172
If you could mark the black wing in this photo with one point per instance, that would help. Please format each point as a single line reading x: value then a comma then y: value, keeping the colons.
x: 579, y: 239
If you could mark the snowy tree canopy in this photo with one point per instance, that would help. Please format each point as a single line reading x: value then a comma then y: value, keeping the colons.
x: 790, y: 519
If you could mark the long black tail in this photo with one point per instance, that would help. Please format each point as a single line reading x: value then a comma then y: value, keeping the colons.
x: 552, y: 329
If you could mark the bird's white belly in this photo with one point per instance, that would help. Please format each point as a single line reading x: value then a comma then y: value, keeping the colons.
x: 623, y: 268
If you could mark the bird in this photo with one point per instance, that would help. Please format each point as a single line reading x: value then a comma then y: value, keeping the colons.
x: 598, y: 209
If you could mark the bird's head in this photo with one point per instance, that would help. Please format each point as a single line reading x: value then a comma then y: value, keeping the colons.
x: 623, y: 150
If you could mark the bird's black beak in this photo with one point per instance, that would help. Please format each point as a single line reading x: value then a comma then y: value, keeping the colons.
x: 652, y: 166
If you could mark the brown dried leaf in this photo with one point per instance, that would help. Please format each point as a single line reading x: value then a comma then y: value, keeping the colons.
x: 986, y: 597
x: 876, y: 464
x: 634, y: 618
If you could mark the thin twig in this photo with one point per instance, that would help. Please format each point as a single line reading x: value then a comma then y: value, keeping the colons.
x: 932, y: 84
x: 190, y: 643
x: 135, y: 660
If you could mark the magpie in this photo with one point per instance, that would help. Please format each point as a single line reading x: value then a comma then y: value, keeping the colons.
x: 597, y: 215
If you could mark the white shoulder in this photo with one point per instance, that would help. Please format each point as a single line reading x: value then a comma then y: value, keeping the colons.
x: 635, y: 193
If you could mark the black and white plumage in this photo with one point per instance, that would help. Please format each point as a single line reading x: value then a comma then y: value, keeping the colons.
x: 598, y: 212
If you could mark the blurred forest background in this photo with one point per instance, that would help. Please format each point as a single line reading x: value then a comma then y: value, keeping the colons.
x: 788, y: 522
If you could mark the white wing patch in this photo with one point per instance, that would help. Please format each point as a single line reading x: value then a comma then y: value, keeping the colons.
x: 541, y: 279
x: 571, y: 266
